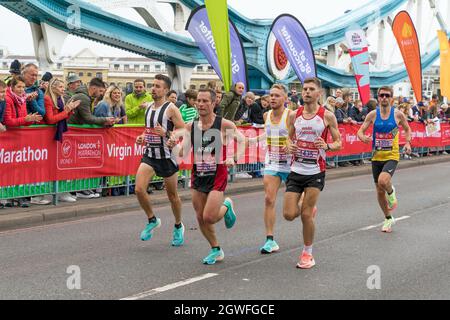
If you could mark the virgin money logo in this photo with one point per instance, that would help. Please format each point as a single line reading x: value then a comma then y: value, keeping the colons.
x: 66, y: 149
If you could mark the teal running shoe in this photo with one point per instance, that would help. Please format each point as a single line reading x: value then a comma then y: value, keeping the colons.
x: 147, y: 233
x: 270, y: 247
x: 214, y: 256
x: 230, y: 215
x: 178, y: 236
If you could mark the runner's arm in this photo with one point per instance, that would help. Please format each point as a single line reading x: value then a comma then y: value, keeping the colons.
x: 365, y: 126
x: 261, y: 137
x: 232, y: 133
x: 334, y: 130
x: 183, y: 148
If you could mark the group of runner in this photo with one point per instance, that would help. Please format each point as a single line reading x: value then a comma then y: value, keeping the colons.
x: 297, y: 143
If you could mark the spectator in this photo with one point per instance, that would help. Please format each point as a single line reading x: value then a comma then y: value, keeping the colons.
x: 16, y: 107
x: 172, y: 96
x: 405, y: 108
x: 339, y: 93
x: 358, y: 113
x: 231, y: 101
x: 2, y: 105
x: 112, y: 105
x: 56, y: 111
x: 219, y: 96
x: 342, y: 111
x: 35, y: 96
x: 249, y: 111
x: 83, y: 114
x: 348, y: 100
x: 100, y: 96
x: 293, y: 97
x: 371, y: 105
x: 330, y: 104
x: 264, y: 103
x: 444, y: 113
x: 43, y: 85
x: 188, y: 110
x: 73, y: 83
x: 137, y: 102
x: 14, y: 70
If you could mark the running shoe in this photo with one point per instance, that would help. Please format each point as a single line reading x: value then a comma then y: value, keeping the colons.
x: 392, y: 200
x: 178, y: 236
x: 269, y: 247
x: 387, y: 225
x: 147, y: 233
x: 214, y: 256
x: 230, y: 215
x: 306, y: 261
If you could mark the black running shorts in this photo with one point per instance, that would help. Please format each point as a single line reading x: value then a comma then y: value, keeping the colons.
x: 297, y: 183
x: 164, y: 168
x: 383, y: 166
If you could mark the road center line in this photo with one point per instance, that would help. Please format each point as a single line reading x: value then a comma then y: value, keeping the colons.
x: 170, y: 287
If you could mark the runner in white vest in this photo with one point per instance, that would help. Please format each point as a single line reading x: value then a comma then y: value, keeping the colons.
x: 308, y: 130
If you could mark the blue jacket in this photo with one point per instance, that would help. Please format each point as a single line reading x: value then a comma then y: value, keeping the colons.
x: 2, y: 109
x: 36, y: 105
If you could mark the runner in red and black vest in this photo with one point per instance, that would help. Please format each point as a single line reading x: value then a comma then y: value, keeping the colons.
x: 308, y: 130
x: 208, y: 137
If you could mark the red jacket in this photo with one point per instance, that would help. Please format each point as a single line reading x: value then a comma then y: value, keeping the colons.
x: 15, y: 115
x: 52, y: 114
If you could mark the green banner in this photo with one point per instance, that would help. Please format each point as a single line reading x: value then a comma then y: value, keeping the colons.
x: 218, y: 18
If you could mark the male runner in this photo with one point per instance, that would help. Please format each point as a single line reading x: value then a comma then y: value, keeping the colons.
x: 278, y: 162
x: 160, y: 119
x: 209, y: 135
x: 308, y: 130
x: 386, y: 151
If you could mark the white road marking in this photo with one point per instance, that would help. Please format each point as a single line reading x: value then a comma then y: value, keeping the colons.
x: 375, y: 226
x: 170, y: 287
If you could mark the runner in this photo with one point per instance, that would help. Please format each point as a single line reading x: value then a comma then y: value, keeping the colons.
x: 277, y: 164
x: 386, y: 150
x: 308, y: 130
x: 209, y: 136
x: 160, y: 119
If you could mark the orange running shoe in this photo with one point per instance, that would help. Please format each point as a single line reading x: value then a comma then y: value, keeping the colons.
x: 306, y: 261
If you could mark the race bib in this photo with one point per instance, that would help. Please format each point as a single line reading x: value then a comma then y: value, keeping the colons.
x: 208, y: 167
x: 152, y: 138
x: 306, y: 153
x: 277, y: 155
x: 384, y: 141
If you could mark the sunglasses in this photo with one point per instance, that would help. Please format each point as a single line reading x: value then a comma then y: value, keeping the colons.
x: 385, y: 95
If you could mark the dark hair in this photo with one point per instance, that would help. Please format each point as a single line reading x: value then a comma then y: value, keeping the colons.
x: 96, y: 82
x: 192, y: 94
x: 314, y: 80
x: 386, y: 88
x: 166, y: 80
x: 170, y: 92
x: 2, y: 84
x: 346, y: 94
x: 211, y: 92
x: 16, y: 80
x: 139, y: 80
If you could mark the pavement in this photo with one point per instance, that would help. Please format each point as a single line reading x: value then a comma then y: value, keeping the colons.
x: 103, y: 257
x: 14, y: 218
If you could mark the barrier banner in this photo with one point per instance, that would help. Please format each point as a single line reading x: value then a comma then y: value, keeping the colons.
x: 296, y: 43
x: 31, y: 155
x: 406, y: 35
x: 359, y: 52
x: 200, y: 29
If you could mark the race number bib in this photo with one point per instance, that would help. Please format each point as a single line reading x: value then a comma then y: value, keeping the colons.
x: 306, y: 153
x: 152, y: 138
x: 277, y: 155
x: 208, y: 167
x: 384, y: 141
